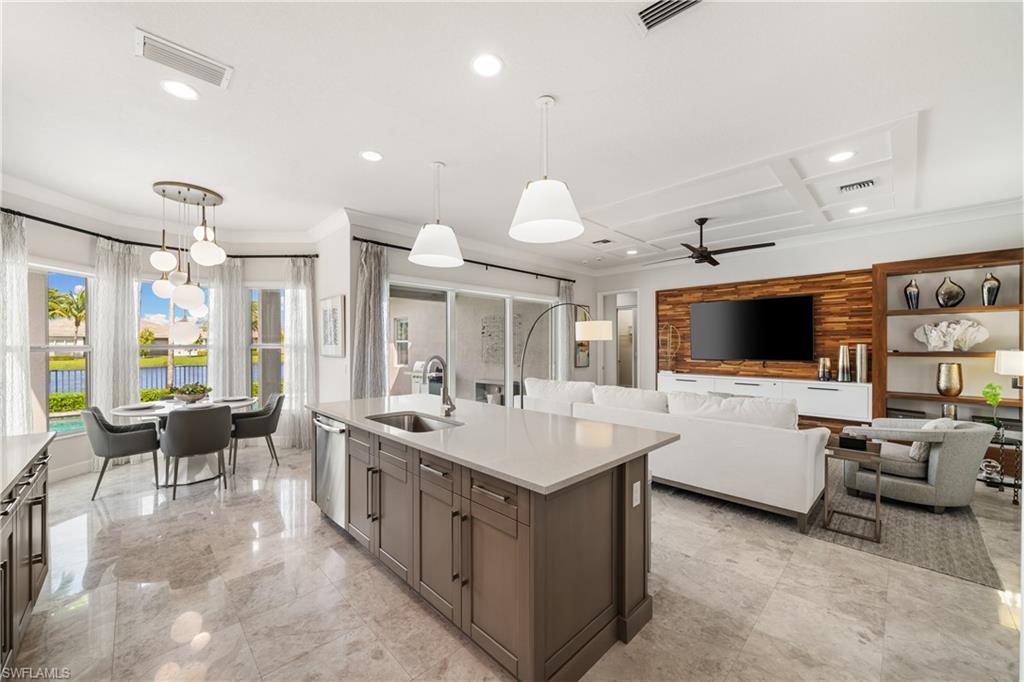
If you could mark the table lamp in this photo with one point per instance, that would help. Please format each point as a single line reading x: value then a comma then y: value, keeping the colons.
x: 1010, y: 363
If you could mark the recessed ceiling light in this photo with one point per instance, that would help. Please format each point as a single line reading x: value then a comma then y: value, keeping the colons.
x: 839, y: 157
x: 632, y: 252
x: 370, y: 155
x: 179, y: 90
x: 487, y: 65
x: 858, y: 209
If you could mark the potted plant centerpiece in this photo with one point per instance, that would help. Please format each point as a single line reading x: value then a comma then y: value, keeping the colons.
x: 191, y: 393
x: 993, y: 395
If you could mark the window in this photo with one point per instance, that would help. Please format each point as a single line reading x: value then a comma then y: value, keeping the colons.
x: 59, y: 363
x: 162, y: 363
x: 267, y: 363
x: 402, y: 341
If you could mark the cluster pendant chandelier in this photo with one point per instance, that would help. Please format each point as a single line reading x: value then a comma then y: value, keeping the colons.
x: 546, y: 212
x: 175, y: 282
x: 436, y: 245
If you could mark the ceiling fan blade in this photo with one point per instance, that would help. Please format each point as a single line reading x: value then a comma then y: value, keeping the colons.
x: 692, y: 248
x: 668, y: 260
x: 743, y: 248
x: 711, y: 259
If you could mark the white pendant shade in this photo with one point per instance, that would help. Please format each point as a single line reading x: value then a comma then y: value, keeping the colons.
x: 162, y: 288
x: 201, y: 311
x: 206, y: 253
x: 163, y: 260
x: 177, y: 278
x: 594, y: 330
x: 184, y: 332
x: 188, y: 296
x: 200, y: 232
x: 546, y: 214
x: 436, y: 247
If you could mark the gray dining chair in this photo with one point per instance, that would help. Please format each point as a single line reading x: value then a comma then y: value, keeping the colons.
x: 197, y: 431
x: 111, y: 441
x: 261, y: 423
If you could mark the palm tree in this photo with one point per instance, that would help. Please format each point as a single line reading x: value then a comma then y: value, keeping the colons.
x: 70, y: 305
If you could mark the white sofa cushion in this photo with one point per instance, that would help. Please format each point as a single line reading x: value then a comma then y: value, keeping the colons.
x: 781, y: 414
x: 562, y: 391
x: 919, y: 451
x: 630, y: 398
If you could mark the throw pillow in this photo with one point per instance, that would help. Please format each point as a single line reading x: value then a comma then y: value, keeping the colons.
x: 919, y: 451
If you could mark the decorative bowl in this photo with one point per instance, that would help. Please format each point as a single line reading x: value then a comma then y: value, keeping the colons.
x: 190, y: 397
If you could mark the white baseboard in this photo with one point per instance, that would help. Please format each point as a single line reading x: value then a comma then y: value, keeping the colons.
x: 76, y: 469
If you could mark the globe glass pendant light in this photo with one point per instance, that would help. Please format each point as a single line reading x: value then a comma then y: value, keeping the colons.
x: 178, y: 277
x: 546, y: 212
x: 188, y: 295
x: 204, y: 251
x: 200, y: 312
x: 162, y: 259
x: 184, y: 332
x: 162, y: 288
x: 436, y: 245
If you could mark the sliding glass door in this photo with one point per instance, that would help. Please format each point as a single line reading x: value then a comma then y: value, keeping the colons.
x: 480, y: 348
x: 417, y: 329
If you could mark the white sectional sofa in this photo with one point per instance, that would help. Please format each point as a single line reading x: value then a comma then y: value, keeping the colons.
x: 743, y: 449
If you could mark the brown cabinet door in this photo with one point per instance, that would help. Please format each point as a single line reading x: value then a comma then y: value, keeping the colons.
x: 392, y: 502
x: 6, y: 588
x: 494, y: 574
x: 360, y: 493
x: 22, y: 568
x: 38, y: 531
x: 437, y: 548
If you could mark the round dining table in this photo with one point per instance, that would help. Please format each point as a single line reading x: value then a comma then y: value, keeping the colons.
x: 200, y: 467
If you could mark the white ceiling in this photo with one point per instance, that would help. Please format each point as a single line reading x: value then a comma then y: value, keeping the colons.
x: 727, y: 110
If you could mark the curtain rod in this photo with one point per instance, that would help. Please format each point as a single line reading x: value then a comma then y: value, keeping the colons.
x: 82, y: 230
x: 474, y: 262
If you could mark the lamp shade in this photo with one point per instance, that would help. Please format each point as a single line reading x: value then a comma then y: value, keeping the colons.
x: 206, y: 253
x: 594, y: 330
x: 1010, y: 362
x: 184, y: 332
x: 162, y: 288
x: 200, y: 312
x: 436, y: 247
x: 177, y: 278
x: 546, y: 214
x: 163, y: 260
x: 200, y: 232
x: 188, y: 296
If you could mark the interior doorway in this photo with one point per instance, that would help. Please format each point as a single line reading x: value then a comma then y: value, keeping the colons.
x: 625, y: 346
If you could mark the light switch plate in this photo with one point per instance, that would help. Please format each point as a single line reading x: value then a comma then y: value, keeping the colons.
x: 636, y: 494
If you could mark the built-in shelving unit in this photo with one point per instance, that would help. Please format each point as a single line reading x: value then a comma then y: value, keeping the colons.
x: 960, y: 309
x: 941, y: 354
x: 960, y: 399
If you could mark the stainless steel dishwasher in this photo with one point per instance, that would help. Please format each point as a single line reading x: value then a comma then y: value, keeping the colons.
x: 329, y: 469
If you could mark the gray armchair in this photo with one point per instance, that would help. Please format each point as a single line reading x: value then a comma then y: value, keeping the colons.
x: 111, y: 441
x: 261, y: 423
x: 945, y: 479
x: 197, y: 431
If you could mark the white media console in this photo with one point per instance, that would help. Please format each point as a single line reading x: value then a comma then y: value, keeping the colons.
x: 829, y: 399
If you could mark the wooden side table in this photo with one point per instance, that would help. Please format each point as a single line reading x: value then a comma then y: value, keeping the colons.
x: 871, y: 456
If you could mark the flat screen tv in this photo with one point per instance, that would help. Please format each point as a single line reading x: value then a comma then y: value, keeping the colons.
x: 753, y: 329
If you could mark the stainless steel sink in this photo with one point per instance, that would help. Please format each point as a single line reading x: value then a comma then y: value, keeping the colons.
x: 415, y: 422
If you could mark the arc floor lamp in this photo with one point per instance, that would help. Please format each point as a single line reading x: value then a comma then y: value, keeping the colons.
x: 586, y: 330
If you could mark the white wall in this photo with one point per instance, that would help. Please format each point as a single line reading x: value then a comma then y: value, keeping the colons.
x: 334, y: 276
x: 996, y: 227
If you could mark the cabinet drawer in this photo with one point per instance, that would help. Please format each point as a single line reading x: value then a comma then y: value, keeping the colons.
x: 686, y: 384
x: 395, y: 454
x: 437, y: 471
x: 838, y: 401
x: 357, y: 447
x: 495, y: 494
x: 755, y: 387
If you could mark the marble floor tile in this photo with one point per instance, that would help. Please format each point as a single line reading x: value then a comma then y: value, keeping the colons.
x: 218, y: 655
x: 376, y: 591
x: 935, y: 596
x: 467, y: 663
x: 759, y: 557
x: 355, y: 655
x: 274, y: 584
x: 416, y: 635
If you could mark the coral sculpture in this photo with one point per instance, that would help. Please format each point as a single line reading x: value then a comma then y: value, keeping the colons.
x: 951, y: 335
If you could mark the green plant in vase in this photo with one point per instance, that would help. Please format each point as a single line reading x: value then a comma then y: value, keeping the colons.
x: 993, y: 395
x: 191, y: 393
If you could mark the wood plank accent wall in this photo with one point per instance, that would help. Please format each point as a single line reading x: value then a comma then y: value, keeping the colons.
x: 842, y: 314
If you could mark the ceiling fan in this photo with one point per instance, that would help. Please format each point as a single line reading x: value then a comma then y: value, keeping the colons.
x: 702, y: 254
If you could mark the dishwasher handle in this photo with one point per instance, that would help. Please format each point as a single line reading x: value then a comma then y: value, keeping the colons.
x: 327, y: 427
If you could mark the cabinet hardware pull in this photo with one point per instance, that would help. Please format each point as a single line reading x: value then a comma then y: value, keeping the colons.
x: 454, y: 563
x: 326, y: 427
x: 690, y: 381
x: 22, y: 484
x: 490, y: 493
x: 10, y: 507
x: 369, y: 493
x: 39, y: 499
x: 744, y: 383
x: 374, y: 499
x: 436, y: 472
x: 464, y: 553
x: 821, y: 388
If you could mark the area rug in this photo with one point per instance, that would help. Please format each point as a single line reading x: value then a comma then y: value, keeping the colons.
x: 949, y: 543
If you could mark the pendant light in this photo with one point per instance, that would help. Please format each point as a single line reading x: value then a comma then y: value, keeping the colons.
x: 188, y: 295
x: 184, y: 332
x: 436, y: 245
x: 204, y: 251
x: 546, y: 213
x: 162, y: 288
x: 178, y: 277
x: 162, y: 259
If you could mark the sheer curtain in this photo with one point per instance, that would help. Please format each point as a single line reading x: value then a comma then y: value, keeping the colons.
x: 300, y: 378
x: 230, y: 330
x: 369, y: 364
x: 114, y: 332
x: 15, y: 413
x: 565, y: 332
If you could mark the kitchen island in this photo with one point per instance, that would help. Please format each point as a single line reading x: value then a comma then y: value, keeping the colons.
x: 529, y: 531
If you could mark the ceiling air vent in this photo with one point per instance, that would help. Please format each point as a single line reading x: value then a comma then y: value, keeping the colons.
x: 601, y: 242
x: 155, y: 48
x: 660, y: 12
x: 855, y: 186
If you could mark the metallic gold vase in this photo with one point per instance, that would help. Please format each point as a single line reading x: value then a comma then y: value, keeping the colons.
x: 950, y: 379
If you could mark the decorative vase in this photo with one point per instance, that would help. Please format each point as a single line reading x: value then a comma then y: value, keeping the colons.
x: 190, y: 397
x: 949, y: 294
x: 824, y: 369
x: 912, y: 293
x: 949, y: 410
x: 990, y: 289
x: 843, y: 367
x: 861, y: 356
x: 950, y: 379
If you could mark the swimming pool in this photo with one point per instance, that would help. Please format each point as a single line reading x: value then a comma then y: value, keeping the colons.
x: 66, y: 424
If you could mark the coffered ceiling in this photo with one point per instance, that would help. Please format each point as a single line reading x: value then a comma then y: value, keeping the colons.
x: 728, y: 110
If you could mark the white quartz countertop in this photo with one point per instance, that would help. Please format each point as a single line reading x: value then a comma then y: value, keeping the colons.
x: 539, y: 451
x: 17, y: 452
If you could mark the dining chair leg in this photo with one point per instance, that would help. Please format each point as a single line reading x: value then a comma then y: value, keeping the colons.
x: 234, y: 456
x: 103, y: 470
x: 273, y: 451
x: 156, y: 471
x: 221, y: 469
x: 167, y: 470
x: 174, y: 492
